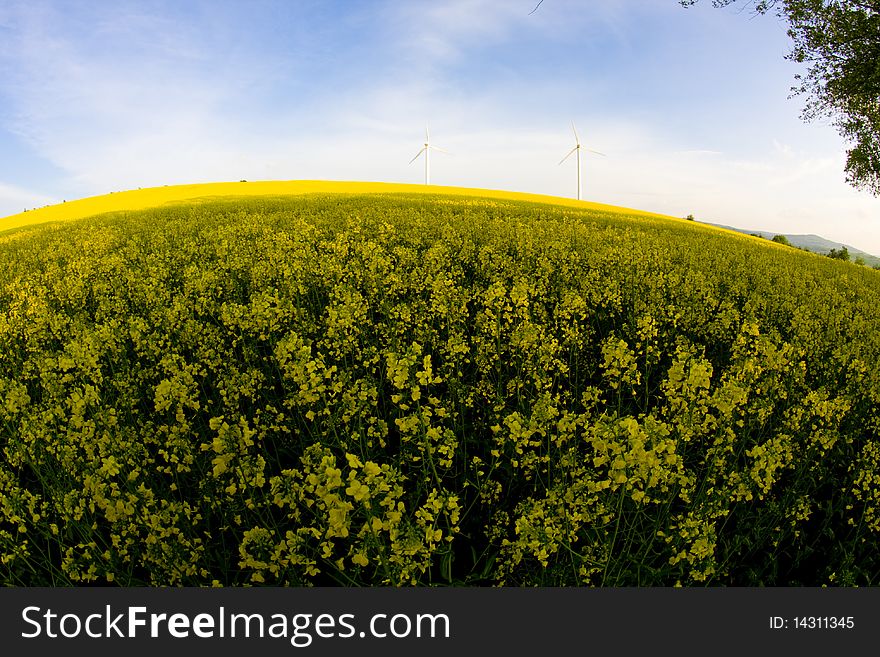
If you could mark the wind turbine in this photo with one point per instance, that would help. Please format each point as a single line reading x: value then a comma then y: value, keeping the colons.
x: 577, y: 148
x: 426, y: 149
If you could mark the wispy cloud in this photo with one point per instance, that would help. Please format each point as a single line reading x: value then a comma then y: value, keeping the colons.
x: 438, y: 32
x: 18, y: 199
x: 698, y: 152
x: 133, y: 96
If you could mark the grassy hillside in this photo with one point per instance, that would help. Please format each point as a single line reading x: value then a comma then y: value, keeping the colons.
x: 420, y: 388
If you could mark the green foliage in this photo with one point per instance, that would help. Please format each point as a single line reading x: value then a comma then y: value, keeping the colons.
x: 839, y: 254
x: 781, y: 239
x: 415, y: 390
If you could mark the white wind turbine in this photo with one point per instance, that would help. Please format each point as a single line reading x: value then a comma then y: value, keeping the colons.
x: 577, y: 148
x: 426, y: 149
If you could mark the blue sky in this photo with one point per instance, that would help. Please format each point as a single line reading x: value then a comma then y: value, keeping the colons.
x: 690, y: 106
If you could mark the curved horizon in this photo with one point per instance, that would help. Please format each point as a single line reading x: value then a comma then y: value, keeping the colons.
x: 152, y: 197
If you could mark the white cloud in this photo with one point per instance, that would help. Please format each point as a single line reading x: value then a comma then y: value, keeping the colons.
x: 431, y: 31
x: 14, y: 199
x: 115, y: 118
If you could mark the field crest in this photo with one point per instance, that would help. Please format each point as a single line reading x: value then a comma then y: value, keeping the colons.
x: 141, y: 199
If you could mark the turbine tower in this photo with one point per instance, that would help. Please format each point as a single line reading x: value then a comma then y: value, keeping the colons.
x: 577, y: 149
x: 426, y: 149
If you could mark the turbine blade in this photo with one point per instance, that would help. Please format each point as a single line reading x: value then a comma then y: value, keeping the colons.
x: 569, y: 155
x: 442, y: 150
x: 417, y: 155
x: 574, y: 130
x: 597, y: 152
x: 427, y: 136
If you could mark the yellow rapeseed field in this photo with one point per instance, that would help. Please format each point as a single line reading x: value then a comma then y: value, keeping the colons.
x: 364, y: 384
x: 152, y: 197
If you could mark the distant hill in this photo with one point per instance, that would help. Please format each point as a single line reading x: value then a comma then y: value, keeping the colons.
x: 812, y: 243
